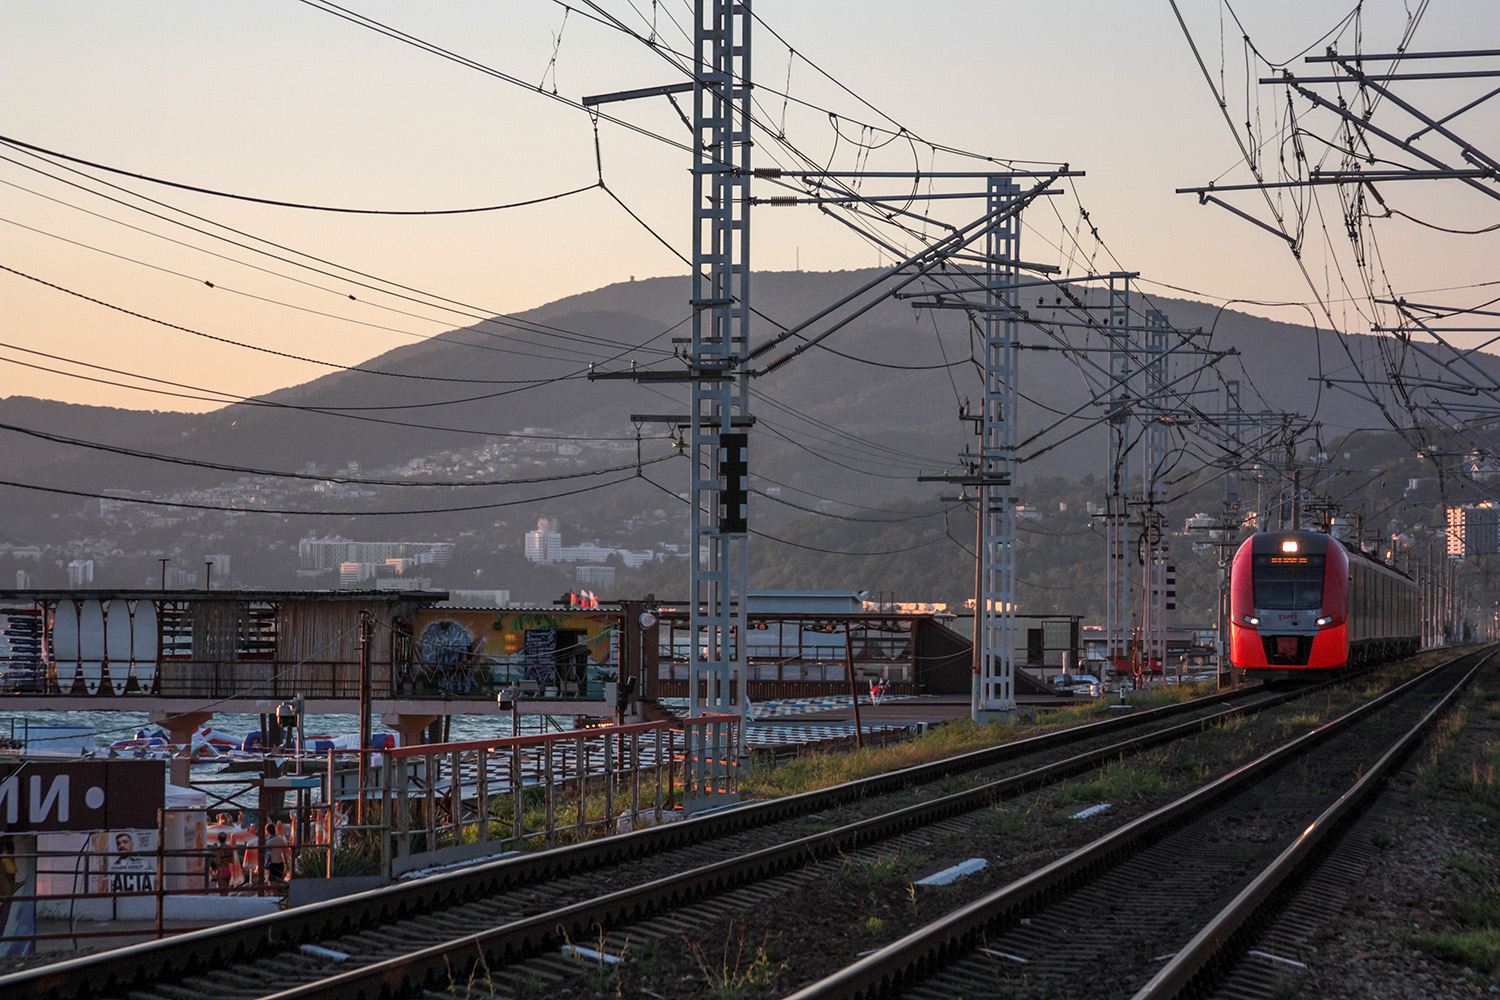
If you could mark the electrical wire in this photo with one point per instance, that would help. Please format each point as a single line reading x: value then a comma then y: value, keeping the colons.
x: 294, y: 512
x: 354, y: 480
x: 18, y: 144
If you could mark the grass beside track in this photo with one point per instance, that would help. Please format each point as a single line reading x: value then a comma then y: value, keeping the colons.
x: 768, y: 780
x: 1461, y: 773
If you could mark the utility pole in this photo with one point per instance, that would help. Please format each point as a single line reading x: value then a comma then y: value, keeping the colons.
x: 1153, y: 549
x: 995, y: 620
x: 366, y: 630
x: 721, y: 324
x: 1117, y: 511
x: 718, y: 441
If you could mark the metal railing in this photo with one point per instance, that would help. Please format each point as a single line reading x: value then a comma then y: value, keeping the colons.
x: 445, y: 803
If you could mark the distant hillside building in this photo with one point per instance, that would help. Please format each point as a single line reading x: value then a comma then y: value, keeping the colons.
x: 593, y: 576
x: 1473, y: 529
x: 545, y: 543
x: 332, y: 553
x: 80, y: 572
x: 476, y: 599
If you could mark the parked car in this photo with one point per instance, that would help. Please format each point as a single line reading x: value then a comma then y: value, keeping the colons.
x: 1085, y: 685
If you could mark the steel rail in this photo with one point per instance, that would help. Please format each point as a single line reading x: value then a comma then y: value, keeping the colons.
x: 185, y: 953
x: 884, y: 972
x: 1203, y: 959
x: 507, y: 943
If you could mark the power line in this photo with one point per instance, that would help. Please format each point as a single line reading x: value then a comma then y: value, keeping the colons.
x: 246, y: 346
x: 246, y: 470
x: 187, y: 505
x: 17, y: 143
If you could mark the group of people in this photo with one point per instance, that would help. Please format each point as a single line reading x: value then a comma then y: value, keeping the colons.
x: 235, y: 853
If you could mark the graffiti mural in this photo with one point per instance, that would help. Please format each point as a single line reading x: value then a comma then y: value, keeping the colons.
x: 472, y: 652
x: 452, y: 656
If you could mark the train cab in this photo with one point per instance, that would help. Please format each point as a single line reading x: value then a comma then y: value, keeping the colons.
x: 1288, y: 601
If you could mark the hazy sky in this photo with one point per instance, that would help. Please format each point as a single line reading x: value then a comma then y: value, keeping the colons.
x: 283, y: 100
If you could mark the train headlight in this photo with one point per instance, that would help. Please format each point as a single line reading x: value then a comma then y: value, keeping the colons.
x: 1325, y: 621
x: 1251, y: 620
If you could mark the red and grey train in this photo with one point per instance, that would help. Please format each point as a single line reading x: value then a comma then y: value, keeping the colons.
x: 1303, y: 601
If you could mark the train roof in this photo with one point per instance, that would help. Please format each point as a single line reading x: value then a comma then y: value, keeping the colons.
x: 1270, y: 541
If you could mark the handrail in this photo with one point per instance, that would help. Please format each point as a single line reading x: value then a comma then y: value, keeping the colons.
x: 501, y: 742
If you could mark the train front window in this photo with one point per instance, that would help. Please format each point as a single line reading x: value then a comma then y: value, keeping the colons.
x: 1287, y: 582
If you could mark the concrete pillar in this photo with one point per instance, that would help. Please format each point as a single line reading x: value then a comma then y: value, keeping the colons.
x: 410, y: 728
x: 180, y: 728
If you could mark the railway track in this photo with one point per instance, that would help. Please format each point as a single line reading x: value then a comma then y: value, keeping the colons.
x: 435, y: 931
x: 1169, y: 904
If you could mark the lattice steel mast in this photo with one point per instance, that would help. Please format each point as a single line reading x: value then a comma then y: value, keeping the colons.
x: 721, y: 316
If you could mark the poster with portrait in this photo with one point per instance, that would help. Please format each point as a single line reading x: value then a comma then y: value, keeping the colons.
x: 128, y: 860
x: 17, y: 878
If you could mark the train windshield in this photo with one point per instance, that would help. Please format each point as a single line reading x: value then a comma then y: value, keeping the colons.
x: 1289, y: 582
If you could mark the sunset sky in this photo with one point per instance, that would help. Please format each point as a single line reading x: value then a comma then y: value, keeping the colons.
x: 284, y: 100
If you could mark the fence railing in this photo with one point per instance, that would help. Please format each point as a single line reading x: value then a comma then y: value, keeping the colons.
x: 444, y: 803
x: 112, y: 878
x: 387, y: 813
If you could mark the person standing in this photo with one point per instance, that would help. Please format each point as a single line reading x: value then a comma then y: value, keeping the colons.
x: 223, y: 861
x: 250, y: 859
x: 276, y: 854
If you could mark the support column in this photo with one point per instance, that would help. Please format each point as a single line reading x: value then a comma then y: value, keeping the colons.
x: 995, y: 618
x: 1117, y: 514
x: 180, y: 729
x: 411, y: 728
x: 721, y: 318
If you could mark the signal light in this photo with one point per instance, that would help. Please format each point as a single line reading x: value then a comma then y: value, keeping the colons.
x: 734, y: 470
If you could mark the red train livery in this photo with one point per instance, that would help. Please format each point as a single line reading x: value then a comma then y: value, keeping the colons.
x: 1302, y: 601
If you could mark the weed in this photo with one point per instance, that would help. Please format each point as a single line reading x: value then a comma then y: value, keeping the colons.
x: 1482, y: 783
x: 1477, y: 912
x: 1467, y: 864
x: 528, y: 986
x: 1002, y: 822
x: 1118, y: 782
x: 480, y: 964
x: 1435, y: 772
x: 1285, y: 988
x: 600, y: 972
x: 1474, y: 948
x: 875, y: 875
x: 874, y: 927
x: 651, y: 964
x: 738, y: 973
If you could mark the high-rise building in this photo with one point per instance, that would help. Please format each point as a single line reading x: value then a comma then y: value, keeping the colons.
x: 80, y: 572
x: 544, y: 545
x: 333, y: 552
x: 1473, y: 529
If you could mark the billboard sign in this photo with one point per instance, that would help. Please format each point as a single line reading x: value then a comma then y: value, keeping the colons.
x: 49, y: 796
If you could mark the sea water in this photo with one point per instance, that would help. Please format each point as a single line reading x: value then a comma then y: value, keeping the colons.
x: 110, y: 727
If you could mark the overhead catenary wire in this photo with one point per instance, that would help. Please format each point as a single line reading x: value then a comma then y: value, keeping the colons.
x: 273, y: 202
x: 298, y: 512
x: 334, y: 478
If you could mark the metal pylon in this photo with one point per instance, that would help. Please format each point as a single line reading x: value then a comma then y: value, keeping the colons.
x: 1153, y: 545
x: 1117, y: 514
x: 996, y: 618
x: 720, y: 301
